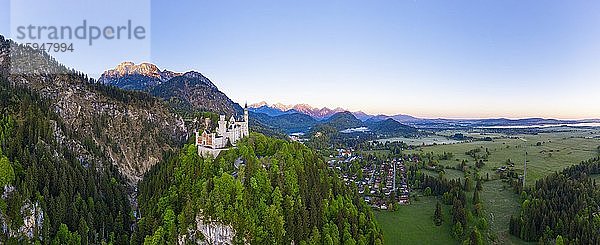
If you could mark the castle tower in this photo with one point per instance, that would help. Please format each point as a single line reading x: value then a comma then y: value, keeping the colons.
x: 245, y: 127
x: 246, y: 112
x: 222, y: 125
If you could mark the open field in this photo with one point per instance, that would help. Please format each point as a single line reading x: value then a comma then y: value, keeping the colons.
x: 499, y: 203
x: 413, y: 224
x: 554, y: 152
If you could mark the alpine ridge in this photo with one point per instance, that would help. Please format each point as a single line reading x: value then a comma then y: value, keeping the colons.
x: 186, y: 92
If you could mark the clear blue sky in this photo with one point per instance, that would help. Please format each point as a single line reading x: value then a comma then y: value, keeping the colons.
x: 504, y: 58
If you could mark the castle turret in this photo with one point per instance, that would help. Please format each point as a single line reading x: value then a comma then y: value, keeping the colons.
x: 245, y: 127
x: 222, y: 125
x: 246, y: 112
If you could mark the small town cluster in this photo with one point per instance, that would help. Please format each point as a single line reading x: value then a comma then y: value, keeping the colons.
x: 379, y: 182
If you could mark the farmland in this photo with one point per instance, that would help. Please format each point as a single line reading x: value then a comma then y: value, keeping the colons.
x: 547, y: 152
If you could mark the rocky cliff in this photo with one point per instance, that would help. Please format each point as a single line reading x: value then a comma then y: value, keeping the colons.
x: 131, y: 129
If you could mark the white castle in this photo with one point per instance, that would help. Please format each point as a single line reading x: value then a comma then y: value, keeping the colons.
x: 227, y: 132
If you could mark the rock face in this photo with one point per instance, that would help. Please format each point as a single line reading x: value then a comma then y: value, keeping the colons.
x: 215, y: 232
x: 130, y: 130
x: 130, y: 76
x: 208, y: 232
x: 33, y: 218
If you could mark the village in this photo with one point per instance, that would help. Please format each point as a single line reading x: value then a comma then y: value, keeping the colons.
x: 380, y: 182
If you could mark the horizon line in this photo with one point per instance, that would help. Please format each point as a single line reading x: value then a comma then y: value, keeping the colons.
x: 429, y: 118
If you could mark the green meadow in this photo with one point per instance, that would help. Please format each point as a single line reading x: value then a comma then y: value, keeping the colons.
x: 413, y: 224
x: 546, y: 153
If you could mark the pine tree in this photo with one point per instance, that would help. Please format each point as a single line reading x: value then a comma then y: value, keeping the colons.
x: 476, y: 198
x: 438, y: 216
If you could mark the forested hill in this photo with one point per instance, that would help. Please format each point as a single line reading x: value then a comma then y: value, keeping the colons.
x: 49, y: 192
x: 267, y: 191
x: 562, y: 208
x: 71, y: 150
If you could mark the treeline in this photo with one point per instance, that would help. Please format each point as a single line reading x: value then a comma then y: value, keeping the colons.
x: 562, y: 206
x: 270, y: 191
x: 82, y: 202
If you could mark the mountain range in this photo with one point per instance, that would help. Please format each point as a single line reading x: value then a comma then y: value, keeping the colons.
x: 322, y: 114
x: 191, y: 91
x: 187, y: 91
x: 279, y: 109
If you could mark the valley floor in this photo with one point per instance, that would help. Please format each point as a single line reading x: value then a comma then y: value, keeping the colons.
x: 547, y: 152
x: 413, y: 224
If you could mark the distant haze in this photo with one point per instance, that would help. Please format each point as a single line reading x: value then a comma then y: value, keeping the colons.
x: 453, y: 59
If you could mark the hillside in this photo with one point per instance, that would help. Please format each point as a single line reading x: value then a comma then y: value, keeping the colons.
x: 280, y: 193
x: 343, y: 120
x: 55, y: 180
x: 193, y: 91
x: 131, y: 129
x: 75, y: 152
x: 391, y: 127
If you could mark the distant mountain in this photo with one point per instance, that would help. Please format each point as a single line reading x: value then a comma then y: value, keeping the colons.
x: 375, y: 119
x: 398, y: 118
x: 361, y: 115
x: 288, y: 123
x: 343, y: 120
x: 256, y: 125
x: 517, y: 122
x: 317, y: 113
x: 187, y: 92
x: 391, y: 127
x: 271, y: 111
x: 324, y: 113
x: 130, y: 76
x: 404, y: 118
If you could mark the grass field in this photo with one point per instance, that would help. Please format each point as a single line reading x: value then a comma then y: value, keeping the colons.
x: 413, y: 224
x: 555, y: 152
x: 500, y: 202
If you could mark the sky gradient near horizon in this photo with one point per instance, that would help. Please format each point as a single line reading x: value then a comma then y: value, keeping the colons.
x: 457, y: 59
